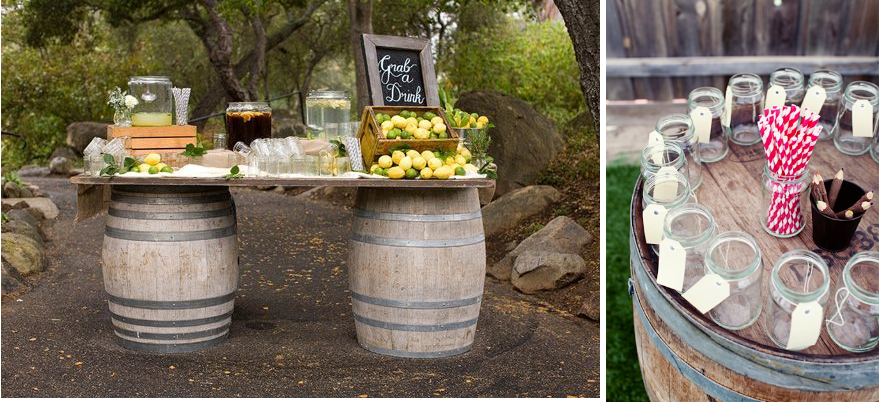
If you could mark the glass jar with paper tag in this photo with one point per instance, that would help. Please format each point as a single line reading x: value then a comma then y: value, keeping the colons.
x: 734, y: 258
x: 857, y: 118
x: 707, y: 107
x: 824, y: 91
x: 665, y: 155
x: 791, y: 81
x: 874, y: 149
x: 799, y: 288
x: 661, y: 193
x: 678, y: 128
x: 853, y: 316
x: 687, y: 230
x: 745, y: 104
x: 785, y: 203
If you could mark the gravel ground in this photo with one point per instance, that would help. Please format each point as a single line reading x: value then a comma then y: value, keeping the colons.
x: 292, y: 333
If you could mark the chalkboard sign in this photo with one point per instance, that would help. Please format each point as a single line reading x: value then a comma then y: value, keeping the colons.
x: 400, y: 71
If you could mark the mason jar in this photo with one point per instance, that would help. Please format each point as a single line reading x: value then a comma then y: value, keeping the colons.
x: 831, y: 81
x: 692, y: 225
x: 718, y: 143
x: 327, y: 113
x: 662, y: 155
x: 853, y: 317
x: 747, y: 106
x: 155, y: 101
x: 799, y: 276
x: 678, y: 129
x: 736, y: 257
x: 248, y: 121
x: 844, y: 138
x: 684, y: 193
x: 874, y: 149
x: 785, y: 203
x: 793, y: 83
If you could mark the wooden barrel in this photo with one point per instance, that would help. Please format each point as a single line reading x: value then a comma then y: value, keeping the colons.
x: 685, y: 356
x: 170, y: 266
x: 416, y: 270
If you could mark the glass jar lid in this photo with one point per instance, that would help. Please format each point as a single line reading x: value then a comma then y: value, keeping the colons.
x: 149, y: 79
x: 802, y: 265
x: 689, y: 224
x: 327, y: 95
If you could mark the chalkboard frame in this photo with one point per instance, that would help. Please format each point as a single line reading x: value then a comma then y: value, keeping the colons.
x: 370, y: 43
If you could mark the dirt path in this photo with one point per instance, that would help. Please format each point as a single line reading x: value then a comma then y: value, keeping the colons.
x: 292, y: 333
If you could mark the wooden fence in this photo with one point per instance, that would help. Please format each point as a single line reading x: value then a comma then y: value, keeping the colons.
x: 662, y: 49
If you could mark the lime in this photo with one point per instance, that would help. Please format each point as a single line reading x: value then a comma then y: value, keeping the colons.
x: 390, y: 135
x: 428, y: 115
x: 167, y: 169
x: 411, y: 173
x: 153, y: 170
x: 459, y: 171
x: 135, y: 169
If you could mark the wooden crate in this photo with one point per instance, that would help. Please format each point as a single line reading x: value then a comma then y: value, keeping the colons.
x: 146, y: 140
x: 375, y: 144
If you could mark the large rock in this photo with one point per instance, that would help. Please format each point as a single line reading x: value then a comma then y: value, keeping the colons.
x: 591, y: 307
x: 79, y: 134
x: 510, y: 210
x: 334, y: 196
x: 11, y: 279
x: 44, y: 204
x: 60, y: 165
x: 524, y: 141
x: 23, y: 228
x: 33, y: 171
x: 11, y: 190
x: 23, y: 215
x: 535, y: 271
x: 561, y: 235
x: 22, y: 253
x: 65, y: 152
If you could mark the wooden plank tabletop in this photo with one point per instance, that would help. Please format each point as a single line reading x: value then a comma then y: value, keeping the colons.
x: 277, y: 181
x: 731, y: 189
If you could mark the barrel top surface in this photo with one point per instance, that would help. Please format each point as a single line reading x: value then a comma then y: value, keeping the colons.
x: 731, y: 189
x: 276, y: 181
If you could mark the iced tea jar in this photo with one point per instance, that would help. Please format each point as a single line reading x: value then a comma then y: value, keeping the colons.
x: 155, y: 101
x: 248, y: 121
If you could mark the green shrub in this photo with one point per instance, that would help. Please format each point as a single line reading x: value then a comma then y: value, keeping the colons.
x: 532, y: 61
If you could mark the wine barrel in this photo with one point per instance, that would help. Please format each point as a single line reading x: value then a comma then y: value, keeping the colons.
x: 416, y: 270
x: 685, y: 356
x: 170, y: 266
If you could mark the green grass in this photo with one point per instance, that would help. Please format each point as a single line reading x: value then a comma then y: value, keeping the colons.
x: 623, y: 379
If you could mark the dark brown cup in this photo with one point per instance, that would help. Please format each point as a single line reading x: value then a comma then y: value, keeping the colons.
x: 834, y: 234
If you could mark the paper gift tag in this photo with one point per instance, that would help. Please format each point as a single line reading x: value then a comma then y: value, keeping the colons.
x: 862, y: 119
x: 776, y: 97
x: 701, y: 119
x: 671, y: 264
x: 653, y: 219
x: 665, y: 187
x: 727, y: 117
x: 805, y: 325
x: 708, y: 292
x: 655, y: 138
x: 814, y: 99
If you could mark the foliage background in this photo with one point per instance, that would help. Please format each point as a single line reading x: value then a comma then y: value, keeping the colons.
x: 67, y: 78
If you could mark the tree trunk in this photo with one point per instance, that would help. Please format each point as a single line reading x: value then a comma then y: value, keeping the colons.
x: 218, y: 41
x: 582, y: 18
x: 259, y: 63
x: 360, y: 23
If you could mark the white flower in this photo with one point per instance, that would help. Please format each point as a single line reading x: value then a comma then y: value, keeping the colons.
x: 131, y: 101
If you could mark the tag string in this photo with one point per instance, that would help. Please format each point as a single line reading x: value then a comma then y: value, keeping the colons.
x: 839, y: 305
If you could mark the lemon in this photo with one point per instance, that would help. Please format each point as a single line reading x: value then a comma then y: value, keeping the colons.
x: 459, y: 171
x: 450, y: 161
x: 443, y: 172
x: 405, y: 163
x: 387, y: 125
x: 460, y: 160
x: 152, y: 159
x: 396, y: 157
x: 428, y: 155
x: 437, y: 120
x: 470, y: 168
x: 419, y: 162
x: 411, y: 173
x: 439, y: 128
x: 412, y: 154
x: 482, y: 120
x: 435, y: 163
x: 143, y: 167
x: 396, y: 173
x: 421, y: 133
x: 385, y: 161
x: 410, y: 129
x: 412, y: 121
x: 426, y: 173
x: 466, y: 154
x: 153, y: 170
x: 373, y: 167
x: 426, y: 125
x: 399, y: 121
x: 161, y: 165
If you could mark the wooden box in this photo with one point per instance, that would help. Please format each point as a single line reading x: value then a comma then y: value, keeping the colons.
x: 146, y: 140
x: 375, y: 144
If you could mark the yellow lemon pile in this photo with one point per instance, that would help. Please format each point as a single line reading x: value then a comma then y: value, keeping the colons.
x: 152, y: 164
x: 407, y: 124
x: 410, y: 164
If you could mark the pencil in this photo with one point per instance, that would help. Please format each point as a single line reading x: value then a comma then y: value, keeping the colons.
x: 825, y: 209
x: 850, y: 213
x: 835, y: 187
